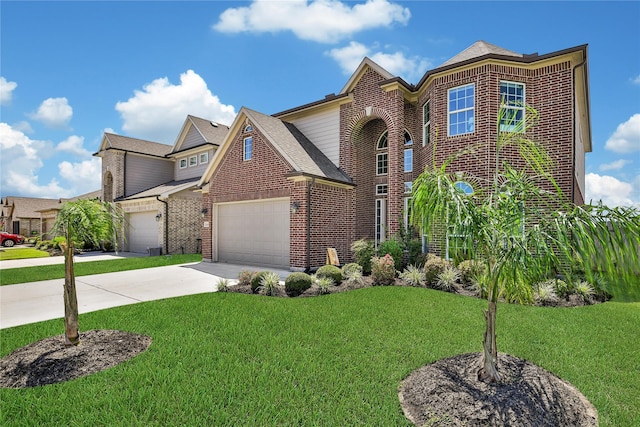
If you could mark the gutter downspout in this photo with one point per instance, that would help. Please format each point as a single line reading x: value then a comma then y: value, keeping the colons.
x: 309, y: 184
x: 165, y: 244
x: 573, y: 121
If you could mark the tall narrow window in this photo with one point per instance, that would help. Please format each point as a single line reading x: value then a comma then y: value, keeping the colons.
x: 247, y: 149
x: 408, y: 153
x: 426, y: 123
x: 381, y: 220
x: 461, y: 110
x: 512, y: 101
x: 382, y: 158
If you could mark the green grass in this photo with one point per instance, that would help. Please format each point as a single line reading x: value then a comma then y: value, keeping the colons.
x: 228, y: 359
x: 22, y: 253
x: 12, y: 276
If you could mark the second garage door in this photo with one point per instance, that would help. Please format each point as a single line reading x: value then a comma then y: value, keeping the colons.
x: 254, y: 233
x: 143, y: 231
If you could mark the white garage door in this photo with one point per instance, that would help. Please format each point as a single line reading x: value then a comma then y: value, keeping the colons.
x: 143, y: 231
x: 254, y: 233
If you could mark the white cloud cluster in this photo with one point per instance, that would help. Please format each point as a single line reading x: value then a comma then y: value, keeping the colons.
x: 6, y: 91
x: 22, y: 158
x: 73, y: 145
x: 409, y: 68
x: 158, y: 111
x: 54, y: 112
x: 636, y: 80
x: 324, y: 21
x: 615, y: 165
x: 626, y: 138
x: 611, y: 191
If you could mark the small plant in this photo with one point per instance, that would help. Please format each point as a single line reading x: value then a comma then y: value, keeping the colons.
x: 584, y: 290
x: 480, y: 286
x: 470, y: 269
x: 392, y: 247
x: 383, y: 271
x: 330, y: 271
x: 545, y: 293
x: 433, y: 266
x: 363, y: 250
x: 244, y: 277
x: 270, y: 283
x: 297, y: 283
x: 447, y: 278
x: 223, y: 285
x: 563, y: 289
x: 413, y: 275
x: 324, y: 285
x: 256, y: 280
x: 351, y: 269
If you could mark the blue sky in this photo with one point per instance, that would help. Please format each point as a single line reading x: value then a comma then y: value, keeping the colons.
x: 69, y: 71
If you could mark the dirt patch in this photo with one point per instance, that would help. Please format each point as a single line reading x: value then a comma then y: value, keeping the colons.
x: 49, y: 361
x: 448, y: 393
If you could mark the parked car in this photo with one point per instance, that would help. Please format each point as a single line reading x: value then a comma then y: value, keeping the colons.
x: 10, y: 239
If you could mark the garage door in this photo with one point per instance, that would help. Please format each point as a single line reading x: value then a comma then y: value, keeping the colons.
x: 254, y: 233
x: 143, y: 231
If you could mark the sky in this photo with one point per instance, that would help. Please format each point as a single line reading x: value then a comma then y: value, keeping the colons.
x: 72, y: 70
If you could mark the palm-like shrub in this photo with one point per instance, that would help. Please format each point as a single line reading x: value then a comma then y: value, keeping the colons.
x: 324, y: 285
x: 383, y: 271
x: 256, y: 280
x: 584, y: 290
x: 270, y: 283
x: 363, y: 250
x: 223, y: 285
x: 413, y: 276
x: 447, y: 279
x: 545, y: 293
x: 330, y: 271
x: 297, y: 283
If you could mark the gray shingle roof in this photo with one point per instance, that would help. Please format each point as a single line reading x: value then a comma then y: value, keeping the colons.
x: 214, y: 134
x: 298, y: 151
x: 166, y: 188
x: 27, y: 207
x: 126, y: 143
x: 480, y: 48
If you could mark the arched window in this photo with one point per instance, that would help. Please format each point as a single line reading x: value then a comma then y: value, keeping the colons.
x: 248, y: 128
x: 382, y: 158
x: 408, y: 152
x: 464, y: 187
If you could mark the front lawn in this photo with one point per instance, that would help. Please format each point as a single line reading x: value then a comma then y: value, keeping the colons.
x: 22, y: 253
x: 12, y: 276
x: 336, y: 360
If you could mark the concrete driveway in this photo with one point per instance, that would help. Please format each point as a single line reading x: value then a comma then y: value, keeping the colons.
x: 37, y: 301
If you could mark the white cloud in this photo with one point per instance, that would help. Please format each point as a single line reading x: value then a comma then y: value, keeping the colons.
x: 626, y: 138
x: 84, y: 176
x: 54, y: 112
x: 325, y: 21
x: 158, y: 111
x: 23, y: 126
x: 615, y: 165
x: 611, y: 191
x: 73, y: 145
x: 6, y: 91
x: 409, y: 68
x: 636, y: 80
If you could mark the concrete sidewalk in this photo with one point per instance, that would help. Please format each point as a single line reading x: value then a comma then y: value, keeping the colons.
x: 37, y: 301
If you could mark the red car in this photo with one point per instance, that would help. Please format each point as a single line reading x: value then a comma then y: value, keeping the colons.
x: 9, y: 239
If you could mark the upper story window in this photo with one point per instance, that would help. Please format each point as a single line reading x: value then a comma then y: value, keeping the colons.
x: 407, y: 138
x: 408, y: 187
x: 382, y: 159
x: 247, y: 149
x: 183, y: 163
x: 426, y: 123
x: 204, y: 158
x: 248, y: 128
x: 381, y: 190
x: 512, y: 101
x: 464, y: 187
x: 193, y: 161
x: 408, y: 153
x: 461, y: 110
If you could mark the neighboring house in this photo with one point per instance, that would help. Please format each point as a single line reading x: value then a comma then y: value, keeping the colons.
x: 49, y: 215
x: 154, y: 185
x: 284, y: 188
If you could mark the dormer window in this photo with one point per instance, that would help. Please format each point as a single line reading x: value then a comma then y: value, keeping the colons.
x: 193, y: 161
x: 183, y: 163
x: 382, y: 158
x: 204, y: 158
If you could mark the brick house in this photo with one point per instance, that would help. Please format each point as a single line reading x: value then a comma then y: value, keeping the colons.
x: 283, y: 188
x: 154, y: 185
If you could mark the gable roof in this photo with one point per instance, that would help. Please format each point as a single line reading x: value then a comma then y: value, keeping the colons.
x: 164, y: 190
x: 364, y: 65
x: 27, y: 207
x: 210, y: 131
x: 133, y: 145
x: 297, y: 150
x: 480, y: 48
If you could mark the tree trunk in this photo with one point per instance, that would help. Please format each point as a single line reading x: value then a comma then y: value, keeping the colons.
x: 72, y: 336
x: 489, y: 371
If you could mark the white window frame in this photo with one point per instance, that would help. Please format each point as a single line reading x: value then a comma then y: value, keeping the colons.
x: 193, y: 161
x: 380, y: 221
x: 470, y: 123
x: 203, y: 158
x: 382, y: 158
x: 426, y: 123
x: 408, y: 187
x: 407, y: 212
x: 408, y: 160
x: 382, y: 189
x: 183, y: 163
x: 514, y: 105
x: 247, y: 155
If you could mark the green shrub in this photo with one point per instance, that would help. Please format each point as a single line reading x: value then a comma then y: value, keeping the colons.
x: 244, y: 277
x: 223, y: 285
x: 55, y: 243
x: 270, y: 284
x: 383, y: 271
x: 545, y: 293
x: 447, y: 278
x: 433, y: 266
x: 297, y: 283
x: 256, y: 280
x: 414, y: 248
x: 414, y: 276
x: 563, y: 289
x: 324, y: 285
x: 348, y: 270
x: 392, y: 247
x: 470, y: 269
x: 330, y: 271
x: 584, y: 290
x: 363, y: 250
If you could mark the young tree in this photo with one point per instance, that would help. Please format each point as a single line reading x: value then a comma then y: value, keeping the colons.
x: 88, y: 221
x: 519, y: 224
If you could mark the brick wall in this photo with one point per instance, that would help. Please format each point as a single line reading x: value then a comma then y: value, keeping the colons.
x: 185, y: 224
x: 113, y: 164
